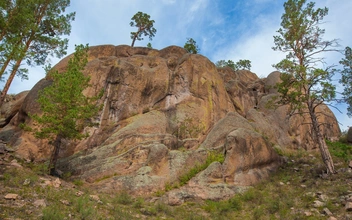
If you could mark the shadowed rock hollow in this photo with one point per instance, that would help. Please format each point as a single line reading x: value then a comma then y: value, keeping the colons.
x: 163, y: 112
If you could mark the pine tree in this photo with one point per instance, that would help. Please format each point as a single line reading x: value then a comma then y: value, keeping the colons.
x: 145, y: 27
x: 31, y: 30
x: 346, y: 79
x: 304, y: 86
x: 191, y: 46
x: 66, y: 111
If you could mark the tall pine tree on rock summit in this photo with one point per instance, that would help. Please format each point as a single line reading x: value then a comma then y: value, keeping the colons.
x: 145, y: 27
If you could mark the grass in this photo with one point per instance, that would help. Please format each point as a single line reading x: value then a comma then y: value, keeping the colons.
x: 340, y: 150
x: 211, y: 157
x: 52, y: 213
x: 123, y: 198
x: 287, y: 194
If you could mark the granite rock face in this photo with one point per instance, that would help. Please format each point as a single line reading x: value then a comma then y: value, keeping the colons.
x: 163, y: 112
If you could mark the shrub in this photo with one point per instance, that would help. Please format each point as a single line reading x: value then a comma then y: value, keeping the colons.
x: 249, y: 195
x: 121, y: 214
x: 78, y: 182
x: 341, y: 150
x: 223, y: 207
x: 163, y: 208
x: 52, y: 213
x: 84, y: 208
x: 123, y: 198
x: 39, y: 168
x: 138, y: 203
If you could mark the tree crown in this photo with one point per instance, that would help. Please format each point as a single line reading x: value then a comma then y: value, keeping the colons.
x: 66, y: 111
x: 145, y: 26
x: 301, y: 38
x: 239, y: 65
x: 31, y: 30
x: 191, y: 46
x: 346, y: 79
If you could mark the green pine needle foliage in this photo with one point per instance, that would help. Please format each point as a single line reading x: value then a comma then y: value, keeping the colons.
x: 66, y: 111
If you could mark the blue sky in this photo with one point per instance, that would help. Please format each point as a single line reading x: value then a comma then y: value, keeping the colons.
x: 223, y: 29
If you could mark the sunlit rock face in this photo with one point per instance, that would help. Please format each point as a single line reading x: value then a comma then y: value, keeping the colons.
x: 162, y: 112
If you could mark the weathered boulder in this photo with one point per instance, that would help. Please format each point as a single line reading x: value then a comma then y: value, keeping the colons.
x: 249, y: 158
x: 270, y: 82
x: 11, y: 106
x: 217, y: 136
x: 243, y: 87
x: 29, y: 106
x: 208, y: 184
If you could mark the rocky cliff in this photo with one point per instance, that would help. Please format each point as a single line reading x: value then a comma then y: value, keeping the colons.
x: 163, y: 112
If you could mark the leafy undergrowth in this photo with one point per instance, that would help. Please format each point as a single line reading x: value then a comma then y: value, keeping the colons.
x: 288, y: 194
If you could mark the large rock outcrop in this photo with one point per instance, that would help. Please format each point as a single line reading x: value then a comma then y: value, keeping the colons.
x: 163, y: 112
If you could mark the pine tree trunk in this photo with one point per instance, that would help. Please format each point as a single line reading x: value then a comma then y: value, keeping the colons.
x: 14, y: 70
x: 9, y: 81
x: 134, y: 39
x: 324, y: 150
x: 55, y: 155
x: 9, y: 58
x: 4, y: 66
x: 41, y: 14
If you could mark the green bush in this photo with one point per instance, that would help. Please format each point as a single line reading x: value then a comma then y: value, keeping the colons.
x: 85, y: 208
x: 25, y: 127
x: 123, y: 198
x: 78, y: 182
x: 273, y: 205
x: 340, y: 150
x: 39, y: 168
x: 249, y: 195
x: 234, y: 204
x: 258, y: 213
x: 223, y: 207
x: 14, y: 178
x: 120, y: 214
x: 163, y: 208
x: 52, y: 213
x: 138, y: 203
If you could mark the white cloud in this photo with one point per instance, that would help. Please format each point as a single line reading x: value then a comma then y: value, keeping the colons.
x: 255, y: 45
x: 169, y: 1
x: 197, y: 5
